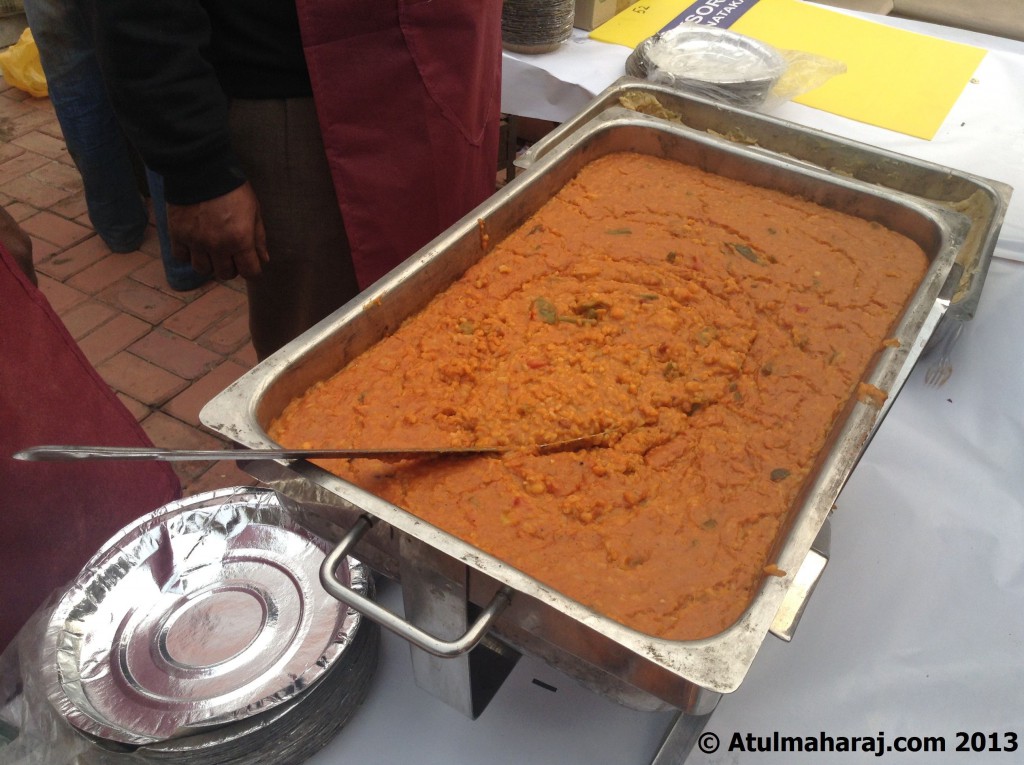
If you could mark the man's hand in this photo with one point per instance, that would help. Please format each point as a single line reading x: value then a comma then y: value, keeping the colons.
x: 222, y: 236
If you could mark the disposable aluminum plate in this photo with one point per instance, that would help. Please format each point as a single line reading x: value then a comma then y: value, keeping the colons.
x: 539, y: 620
x: 205, y: 612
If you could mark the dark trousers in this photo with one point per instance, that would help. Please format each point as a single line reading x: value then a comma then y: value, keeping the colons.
x: 310, y: 271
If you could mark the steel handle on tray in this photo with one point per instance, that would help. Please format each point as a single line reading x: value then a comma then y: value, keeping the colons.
x: 371, y: 610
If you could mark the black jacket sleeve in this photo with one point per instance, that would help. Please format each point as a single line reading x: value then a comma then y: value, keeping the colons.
x: 154, y: 57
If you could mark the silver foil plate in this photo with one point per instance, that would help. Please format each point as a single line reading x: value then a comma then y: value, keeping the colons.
x: 712, y: 62
x: 284, y: 735
x: 207, y: 611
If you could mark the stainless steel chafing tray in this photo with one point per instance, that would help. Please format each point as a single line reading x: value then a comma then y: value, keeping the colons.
x: 517, y: 610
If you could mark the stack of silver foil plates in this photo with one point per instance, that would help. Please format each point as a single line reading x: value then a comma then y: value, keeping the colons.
x: 710, y: 62
x: 536, y: 26
x: 201, y: 634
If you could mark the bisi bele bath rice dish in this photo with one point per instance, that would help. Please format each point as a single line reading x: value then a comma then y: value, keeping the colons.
x: 705, y: 334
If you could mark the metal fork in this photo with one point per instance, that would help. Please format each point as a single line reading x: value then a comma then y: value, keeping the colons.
x: 940, y: 370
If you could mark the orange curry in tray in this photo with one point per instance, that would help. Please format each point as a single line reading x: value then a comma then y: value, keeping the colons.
x: 709, y: 330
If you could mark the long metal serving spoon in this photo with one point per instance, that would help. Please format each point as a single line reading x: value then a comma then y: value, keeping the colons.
x: 61, y: 453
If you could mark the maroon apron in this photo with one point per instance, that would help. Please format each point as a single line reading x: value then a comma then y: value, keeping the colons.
x: 408, y: 94
x: 55, y: 516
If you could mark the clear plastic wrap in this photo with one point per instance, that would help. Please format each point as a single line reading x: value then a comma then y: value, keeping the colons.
x: 729, y: 67
x: 40, y: 735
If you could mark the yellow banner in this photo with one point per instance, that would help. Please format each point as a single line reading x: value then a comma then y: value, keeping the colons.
x: 894, y: 79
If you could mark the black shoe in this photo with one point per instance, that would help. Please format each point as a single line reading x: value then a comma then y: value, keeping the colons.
x: 130, y: 246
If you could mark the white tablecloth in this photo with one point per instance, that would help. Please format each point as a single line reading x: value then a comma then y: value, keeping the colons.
x: 917, y: 626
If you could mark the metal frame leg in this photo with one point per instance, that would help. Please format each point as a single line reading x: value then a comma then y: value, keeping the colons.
x: 681, y: 736
x: 435, y: 593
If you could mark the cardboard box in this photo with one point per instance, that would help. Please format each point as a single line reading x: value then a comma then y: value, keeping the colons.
x: 593, y: 13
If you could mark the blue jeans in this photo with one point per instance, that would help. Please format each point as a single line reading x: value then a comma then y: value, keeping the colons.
x: 91, y: 130
x: 94, y: 138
